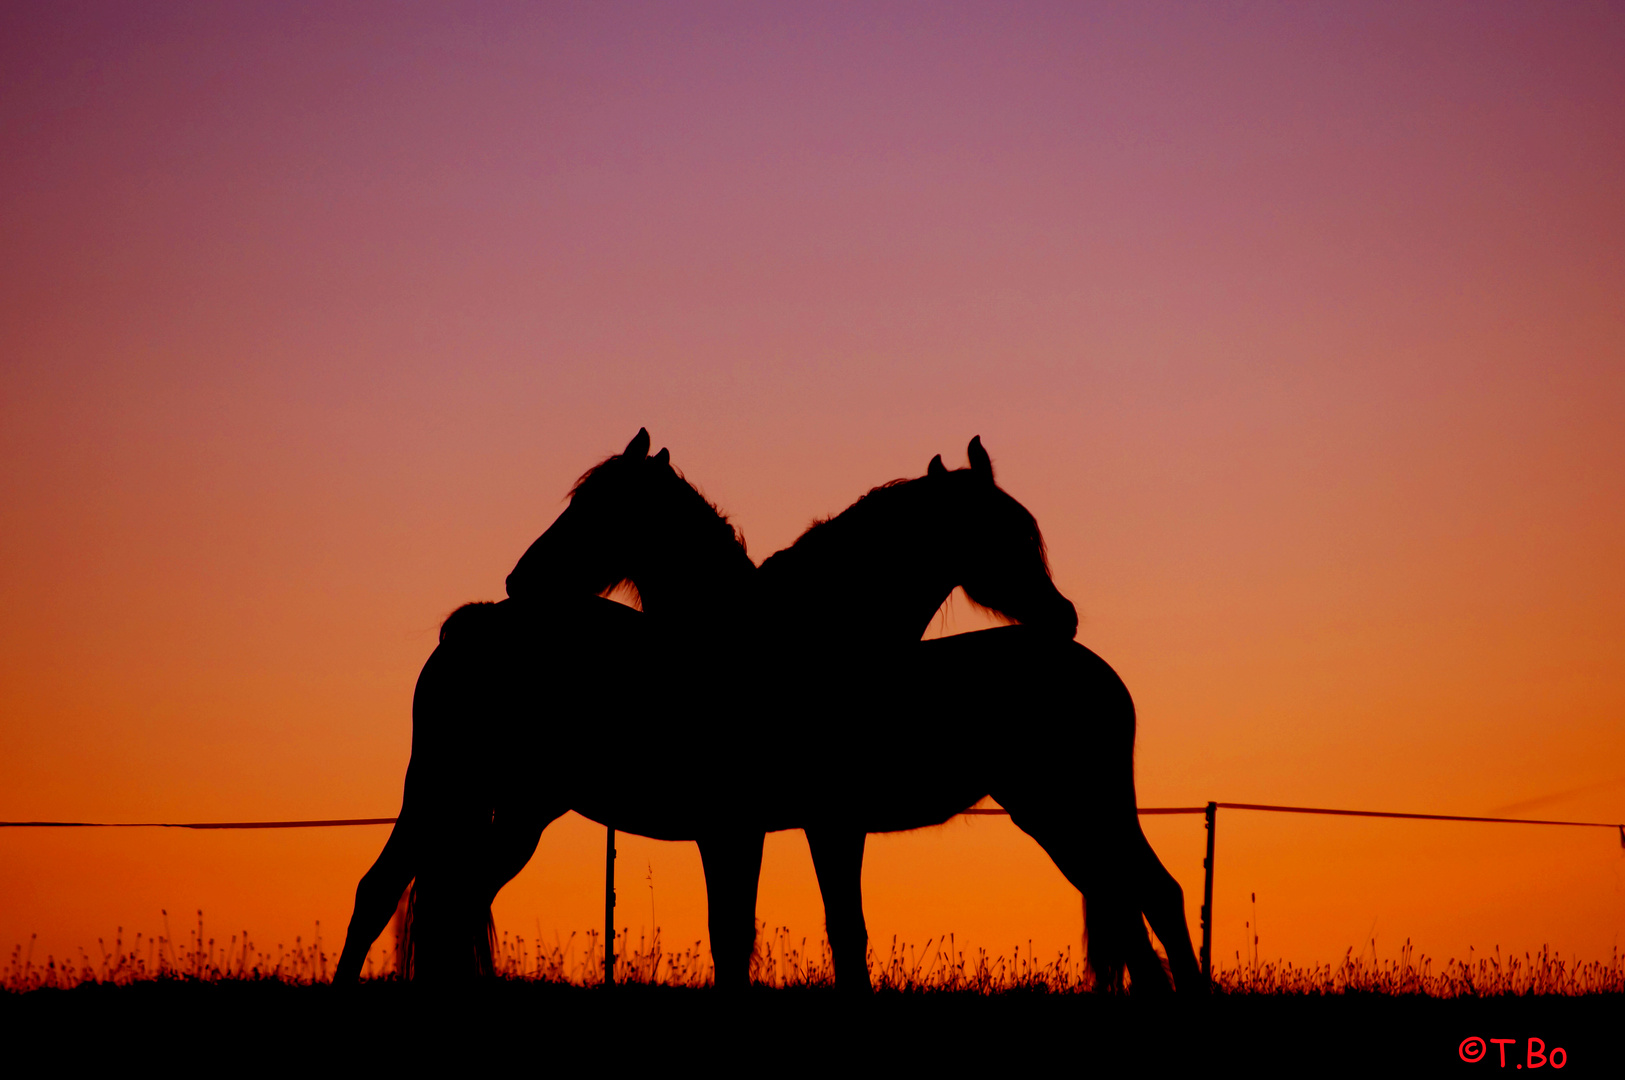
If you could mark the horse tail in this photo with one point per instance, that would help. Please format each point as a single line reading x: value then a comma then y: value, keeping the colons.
x: 485, y: 947
x: 450, y: 931
x: 1106, y: 945
x: 378, y: 896
x: 402, y: 924
x: 405, y: 952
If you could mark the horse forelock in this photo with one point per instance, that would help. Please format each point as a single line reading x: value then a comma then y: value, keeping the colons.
x: 612, y: 462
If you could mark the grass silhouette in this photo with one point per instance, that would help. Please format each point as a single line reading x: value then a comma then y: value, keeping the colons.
x: 934, y: 1007
x: 164, y: 958
x: 783, y: 961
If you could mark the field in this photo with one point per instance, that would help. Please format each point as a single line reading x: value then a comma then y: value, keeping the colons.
x: 932, y: 1005
x: 280, y: 1024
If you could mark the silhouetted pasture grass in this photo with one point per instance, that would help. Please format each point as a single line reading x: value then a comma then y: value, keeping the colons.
x: 783, y: 961
x: 933, y: 1004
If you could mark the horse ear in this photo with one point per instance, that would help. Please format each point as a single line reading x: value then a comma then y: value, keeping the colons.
x: 980, y: 463
x: 639, y: 446
x: 936, y: 468
x: 662, y: 458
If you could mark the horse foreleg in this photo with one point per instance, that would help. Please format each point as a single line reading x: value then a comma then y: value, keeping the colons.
x: 733, y: 866
x: 837, y: 855
x: 1164, y: 903
x: 509, y: 844
x: 376, y: 898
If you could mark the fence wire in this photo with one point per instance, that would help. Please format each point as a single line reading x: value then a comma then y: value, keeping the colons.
x: 978, y: 811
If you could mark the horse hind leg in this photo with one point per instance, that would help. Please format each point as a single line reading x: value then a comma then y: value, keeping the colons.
x: 451, y: 929
x: 1134, y: 883
x: 1118, y: 942
x: 1101, y: 869
x: 510, y: 843
x: 377, y: 897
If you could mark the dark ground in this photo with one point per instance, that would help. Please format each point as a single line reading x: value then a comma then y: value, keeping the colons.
x: 261, y: 1027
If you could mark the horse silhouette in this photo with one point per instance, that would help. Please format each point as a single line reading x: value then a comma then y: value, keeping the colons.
x: 829, y: 629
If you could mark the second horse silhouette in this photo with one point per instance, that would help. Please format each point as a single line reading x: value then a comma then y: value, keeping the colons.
x: 812, y: 663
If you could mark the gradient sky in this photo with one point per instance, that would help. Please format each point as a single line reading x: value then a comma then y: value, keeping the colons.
x: 1298, y: 327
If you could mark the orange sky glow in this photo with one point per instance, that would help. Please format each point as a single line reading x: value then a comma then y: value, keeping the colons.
x: 1299, y: 329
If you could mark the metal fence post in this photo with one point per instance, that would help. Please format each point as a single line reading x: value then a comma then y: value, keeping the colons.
x: 1212, y: 815
x: 609, y: 907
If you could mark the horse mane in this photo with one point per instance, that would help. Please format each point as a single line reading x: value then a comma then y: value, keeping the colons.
x: 890, y: 497
x: 862, y: 512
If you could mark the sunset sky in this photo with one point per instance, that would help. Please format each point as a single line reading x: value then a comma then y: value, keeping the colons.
x: 1298, y: 327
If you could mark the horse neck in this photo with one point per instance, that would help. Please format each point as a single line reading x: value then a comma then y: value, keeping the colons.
x: 850, y: 591
x: 698, y: 583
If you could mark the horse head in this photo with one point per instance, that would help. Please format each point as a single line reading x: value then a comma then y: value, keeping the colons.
x: 632, y: 518
x: 898, y: 552
x: 997, y: 554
